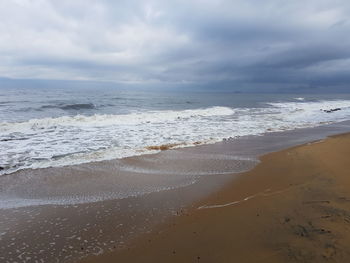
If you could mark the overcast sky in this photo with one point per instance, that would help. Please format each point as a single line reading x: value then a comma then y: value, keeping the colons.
x: 236, y: 42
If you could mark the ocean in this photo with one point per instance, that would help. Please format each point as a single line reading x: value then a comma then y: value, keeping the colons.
x: 55, y: 127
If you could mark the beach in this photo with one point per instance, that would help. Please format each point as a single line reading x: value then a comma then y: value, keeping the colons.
x: 166, y: 131
x: 215, y: 201
x: 294, y: 206
x: 97, y: 177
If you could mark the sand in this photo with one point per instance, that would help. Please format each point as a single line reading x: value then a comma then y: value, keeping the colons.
x: 292, y: 207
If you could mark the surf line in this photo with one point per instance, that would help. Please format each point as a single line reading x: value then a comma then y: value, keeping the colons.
x: 266, y: 192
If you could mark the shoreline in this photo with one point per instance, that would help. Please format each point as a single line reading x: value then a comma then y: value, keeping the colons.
x: 70, y: 232
x: 293, y: 206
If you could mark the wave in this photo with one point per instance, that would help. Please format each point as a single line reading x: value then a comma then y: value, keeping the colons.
x: 111, y: 119
x: 312, y: 107
x: 74, y: 106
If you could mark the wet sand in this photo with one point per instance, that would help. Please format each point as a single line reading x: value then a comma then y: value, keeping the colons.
x: 292, y: 207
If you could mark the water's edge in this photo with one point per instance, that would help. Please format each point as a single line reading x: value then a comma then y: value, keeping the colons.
x: 69, y: 231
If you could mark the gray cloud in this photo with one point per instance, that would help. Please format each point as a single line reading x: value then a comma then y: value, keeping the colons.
x: 236, y: 43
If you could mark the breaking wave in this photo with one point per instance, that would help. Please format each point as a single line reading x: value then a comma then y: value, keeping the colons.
x: 105, y: 119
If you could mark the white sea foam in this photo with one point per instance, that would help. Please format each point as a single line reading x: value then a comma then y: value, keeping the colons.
x: 107, y: 120
x: 79, y: 139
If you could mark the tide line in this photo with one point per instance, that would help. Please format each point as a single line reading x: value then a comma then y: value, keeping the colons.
x: 263, y: 193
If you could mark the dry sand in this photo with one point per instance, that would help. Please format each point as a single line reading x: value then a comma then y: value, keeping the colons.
x: 292, y: 207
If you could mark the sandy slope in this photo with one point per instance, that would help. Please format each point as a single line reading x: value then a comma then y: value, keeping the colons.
x: 293, y: 207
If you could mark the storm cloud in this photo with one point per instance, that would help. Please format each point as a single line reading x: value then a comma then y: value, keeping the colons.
x: 234, y: 43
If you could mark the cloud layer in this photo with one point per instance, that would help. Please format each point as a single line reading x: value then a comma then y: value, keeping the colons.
x: 234, y: 42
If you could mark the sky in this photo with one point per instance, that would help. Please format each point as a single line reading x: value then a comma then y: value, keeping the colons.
x: 299, y: 44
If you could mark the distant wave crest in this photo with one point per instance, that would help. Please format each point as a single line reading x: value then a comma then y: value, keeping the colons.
x: 74, y: 106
